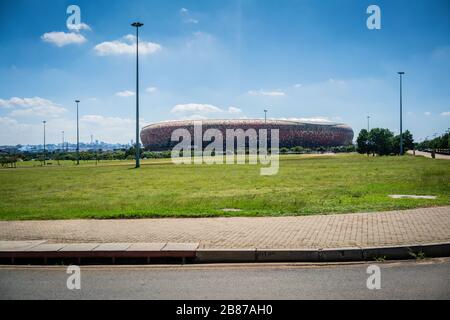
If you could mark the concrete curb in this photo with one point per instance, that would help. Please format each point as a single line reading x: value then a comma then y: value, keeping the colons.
x: 324, y: 255
x: 16, y: 252
x: 26, y: 252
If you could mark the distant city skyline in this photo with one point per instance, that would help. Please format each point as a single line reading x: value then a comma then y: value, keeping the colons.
x: 70, y: 147
x: 303, y: 60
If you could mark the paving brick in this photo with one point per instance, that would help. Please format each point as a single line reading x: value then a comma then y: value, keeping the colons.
x: 372, y: 229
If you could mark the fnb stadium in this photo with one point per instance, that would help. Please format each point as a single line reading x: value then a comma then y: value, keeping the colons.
x: 157, y: 136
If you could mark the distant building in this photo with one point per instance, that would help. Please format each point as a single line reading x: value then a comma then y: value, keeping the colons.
x: 291, y: 133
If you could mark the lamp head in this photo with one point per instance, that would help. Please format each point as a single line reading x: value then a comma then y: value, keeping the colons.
x: 77, y: 101
x: 137, y: 24
x: 401, y: 72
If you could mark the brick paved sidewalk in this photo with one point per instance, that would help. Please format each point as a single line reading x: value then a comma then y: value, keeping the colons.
x: 416, y: 226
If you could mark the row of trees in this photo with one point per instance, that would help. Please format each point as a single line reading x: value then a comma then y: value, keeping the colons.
x: 383, y: 142
x: 10, y: 158
x: 441, y: 142
x: 8, y: 161
x: 298, y: 149
x: 378, y: 141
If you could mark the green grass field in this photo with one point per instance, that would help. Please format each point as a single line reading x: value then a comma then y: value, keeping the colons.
x: 304, y: 185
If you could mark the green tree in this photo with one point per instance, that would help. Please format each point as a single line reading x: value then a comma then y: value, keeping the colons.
x: 350, y: 148
x: 408, y: 142
x: 131, y: 152
x: 362, y: 142
x: 297, y: 149
x: 381, y: 141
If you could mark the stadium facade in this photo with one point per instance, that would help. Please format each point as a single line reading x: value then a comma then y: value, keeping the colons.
x: 157, y: 136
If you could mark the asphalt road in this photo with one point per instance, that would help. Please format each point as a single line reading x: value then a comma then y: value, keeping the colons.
x: 426, y: 279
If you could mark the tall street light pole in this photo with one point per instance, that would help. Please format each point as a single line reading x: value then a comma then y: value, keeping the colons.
x: 44, y: 122
x: 137, y: 25
x: 78, y: 135
x: 265, y: 116
x: 368, y: 123
x: 62, y: 145
x: 401, y: 73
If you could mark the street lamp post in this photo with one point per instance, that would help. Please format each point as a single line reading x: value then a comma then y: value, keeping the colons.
x: 401, y: 73
x: 44, y: 122
x: 78, y: 135
x: 62, y: 145
x: 265, y: 116
x: 137, y: 25
x: 368, y: 123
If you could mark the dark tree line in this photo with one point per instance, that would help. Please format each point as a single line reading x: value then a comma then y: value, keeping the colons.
x: 440, y: 143
x: 383, y: 142
x: 9, y: 158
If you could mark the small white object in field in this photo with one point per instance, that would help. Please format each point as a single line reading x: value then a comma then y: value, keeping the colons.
x: 409, y: 196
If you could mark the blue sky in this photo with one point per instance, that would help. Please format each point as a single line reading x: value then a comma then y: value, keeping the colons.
x: 311, y: 59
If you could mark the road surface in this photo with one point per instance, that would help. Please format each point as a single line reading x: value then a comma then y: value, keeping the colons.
x: 424, y: 279
x: 428, y: 155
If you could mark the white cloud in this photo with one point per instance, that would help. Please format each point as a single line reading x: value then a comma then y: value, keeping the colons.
x: 275, y: 93
x: 187, y: 16
x: 151, y: 89
x: 338, y: 82
x: 32, y: 107
x: 195, y: 107
x: 297, y: 85
x: 126, y: 45
x: 445, y: 114
x: 125, y: 94
x: 103, y: 128
x: 3, y: 104
x: 11, y: 131
x: 99, y: 120
x: 199, y: 111
x: 427, y: 113
x: 61, y: 39
x: 130, y: 37
x: 234, y: 110
x: 25, y: 102
x: 5, y: 121
x: 78, y: 27
x: 41, y: 111
x: 191, y: 20
x: 109, y: 128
